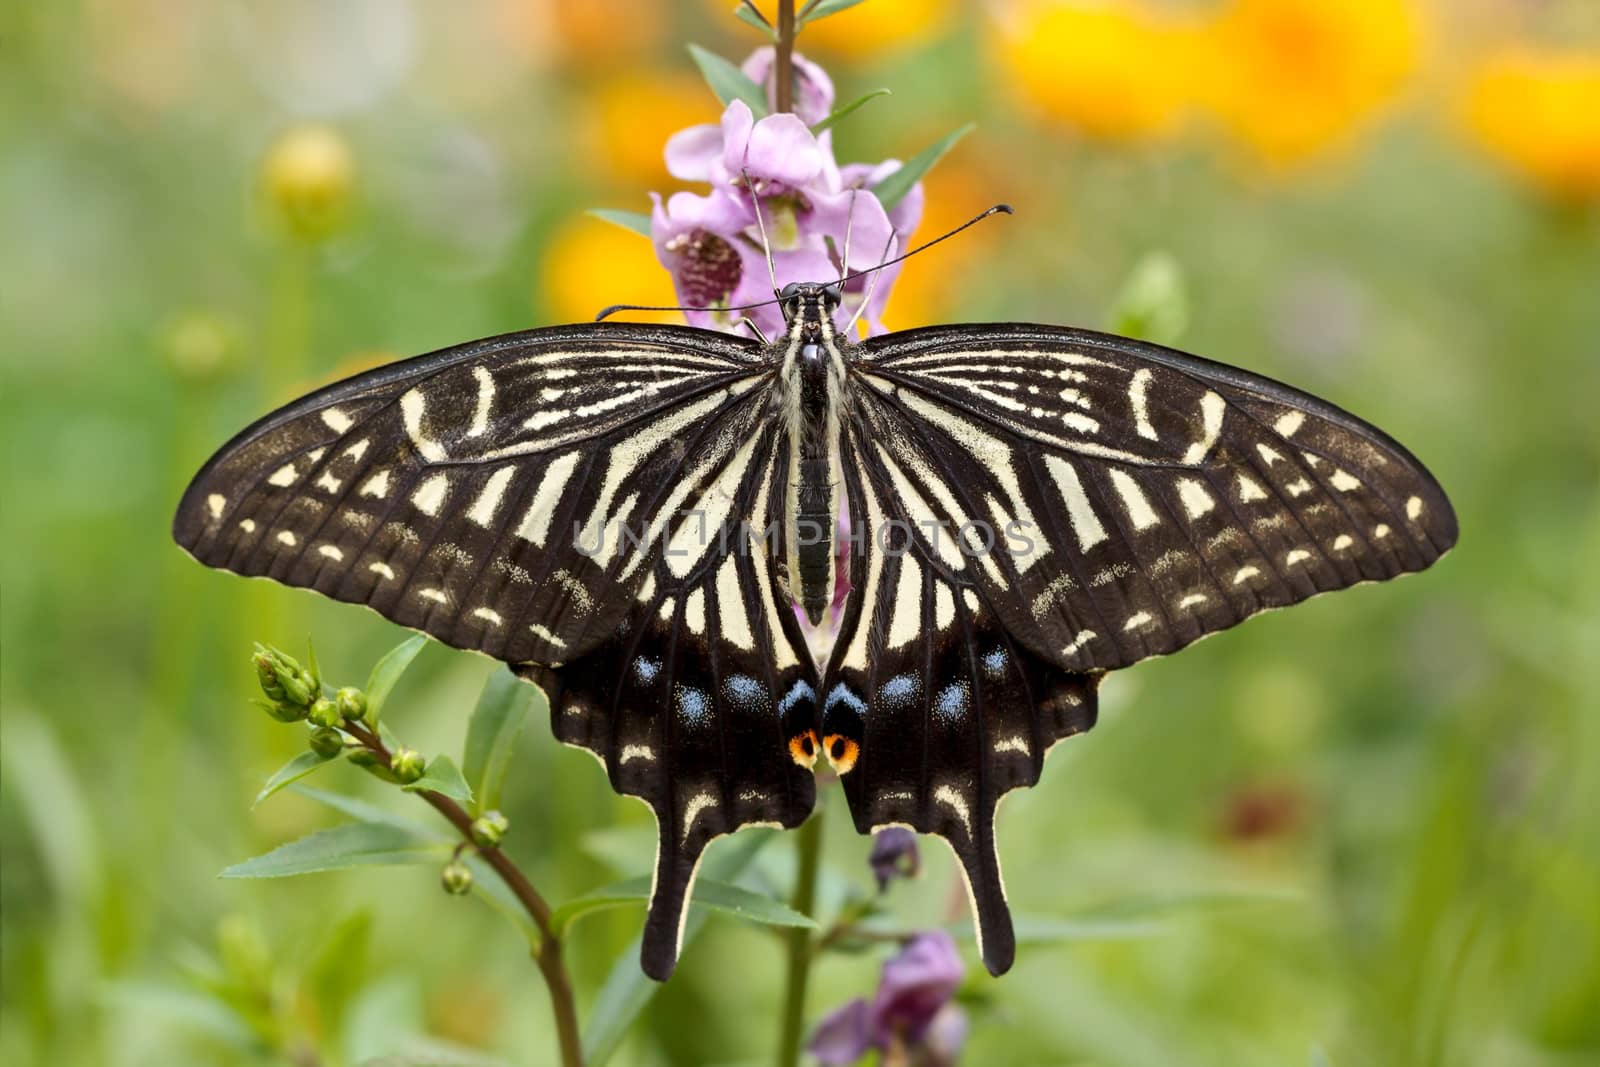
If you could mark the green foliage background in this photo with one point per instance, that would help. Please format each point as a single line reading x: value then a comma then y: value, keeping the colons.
x: 1366, y: 831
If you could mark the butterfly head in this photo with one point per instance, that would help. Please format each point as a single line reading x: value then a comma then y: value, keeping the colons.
x: 807, y: 305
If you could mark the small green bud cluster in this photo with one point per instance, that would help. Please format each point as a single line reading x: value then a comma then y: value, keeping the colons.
x: 290, y: 689
x: 456, y: 878
x: 294, y: 694
x: 489, y: 829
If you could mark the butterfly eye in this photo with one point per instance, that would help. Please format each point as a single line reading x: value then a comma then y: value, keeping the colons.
x: 803, y: 749
x: 842, y: 752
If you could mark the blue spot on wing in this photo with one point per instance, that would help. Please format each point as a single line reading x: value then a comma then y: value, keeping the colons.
x: 995, y: 661
x: 746, y: 692
x: 646, y: 670
x: 694, y: 706
x: 841, y: 694
x: 899, y: 691
x: 952, y: 702
x: 800, y: 691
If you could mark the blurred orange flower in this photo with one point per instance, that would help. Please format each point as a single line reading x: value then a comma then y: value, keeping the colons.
x: 1539, y: 112
x: 632, y: 116
x: 865, y: 29
x: 1293, y: 78
x: 930, y: 282
x: 1115, y: 71
x: 589, y: 264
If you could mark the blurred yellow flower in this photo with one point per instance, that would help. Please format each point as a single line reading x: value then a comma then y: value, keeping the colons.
x: 633, y: 114
x: 1539, y: 112
x: 1114, y: 70
x: 589, y: 264
x: 308, y: 174
x: 1293, y: 78
x: 865, y: 29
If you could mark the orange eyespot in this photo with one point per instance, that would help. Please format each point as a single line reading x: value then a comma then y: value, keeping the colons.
x: 842, y: 752
x: 803, y: 749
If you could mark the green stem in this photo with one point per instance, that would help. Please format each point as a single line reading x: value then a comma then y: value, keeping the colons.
x: 808, y: 849
x: 783, y: 70
x: 547, y: 956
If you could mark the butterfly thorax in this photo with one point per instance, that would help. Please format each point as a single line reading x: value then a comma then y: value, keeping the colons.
x: 812, y: 392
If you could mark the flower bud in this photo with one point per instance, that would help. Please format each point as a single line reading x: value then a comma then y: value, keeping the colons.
x: 407, y: 764
x: 308, y: 175
x: 352, y: 703
x: 894, y: 855
x: 325, y: 713
x: 281, y: 711
x: 267, y: 676
x: 489, y: 828
x: 327, y: 742
x: 456, y: 878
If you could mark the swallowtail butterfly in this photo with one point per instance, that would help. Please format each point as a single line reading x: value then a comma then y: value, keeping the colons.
x: 628, y: 514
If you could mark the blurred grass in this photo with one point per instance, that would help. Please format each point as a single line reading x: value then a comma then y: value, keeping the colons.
x: 1419, y: 762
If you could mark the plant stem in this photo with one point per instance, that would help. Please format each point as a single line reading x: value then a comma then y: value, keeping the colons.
x: 783, y: 70
x: 808, y: 848
x: 548, y: 953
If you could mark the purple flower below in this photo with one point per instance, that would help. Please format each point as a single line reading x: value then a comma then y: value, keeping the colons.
x: 894, y: 855
x: 911, y: 1018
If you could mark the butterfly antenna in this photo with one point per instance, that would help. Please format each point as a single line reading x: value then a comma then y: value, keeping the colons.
x: 607, y: 312
x: 872, y: 287
x: 766, y: 245
x: 998, y: 209
x: 849, y: 221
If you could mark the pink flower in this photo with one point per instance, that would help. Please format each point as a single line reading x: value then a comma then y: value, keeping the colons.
x: 712, y: 242
x: 813, y: 98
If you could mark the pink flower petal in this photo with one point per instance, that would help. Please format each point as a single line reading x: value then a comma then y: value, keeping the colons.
x: 690, y: 153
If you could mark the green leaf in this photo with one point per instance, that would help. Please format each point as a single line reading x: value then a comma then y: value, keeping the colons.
x: 746, y: 13
x: 354, y: 844
x: 821, y: 9
x: 360, y: 809
x: 841, y: 112
x: 442, y: 776
x: 636, y: 221
x: 897, y: 185
x: 348, y: 845
x: 728, y: 81
x: 492, y: 734
x: 387, y: 671
x: 708, y: 893
x: 627, y: 990
x: 1154, y: 303
x: 292, y: 772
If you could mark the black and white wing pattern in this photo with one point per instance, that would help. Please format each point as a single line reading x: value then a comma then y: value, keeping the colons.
x: 703, y: 703
x: 482, y: 494
x: 572, y: 501
x: 1041, y: 505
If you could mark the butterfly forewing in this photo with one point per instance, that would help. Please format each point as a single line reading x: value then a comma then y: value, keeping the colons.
x: 482, y: 494
x: 1118, y: 500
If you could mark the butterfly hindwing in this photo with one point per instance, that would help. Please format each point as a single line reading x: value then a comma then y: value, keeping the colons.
x: 931, y: 711
x: 1135, y: 499
x: 475, y: 494
x: 696, y: 703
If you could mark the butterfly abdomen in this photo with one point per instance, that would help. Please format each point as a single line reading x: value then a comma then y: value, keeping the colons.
x: 816, y: 482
